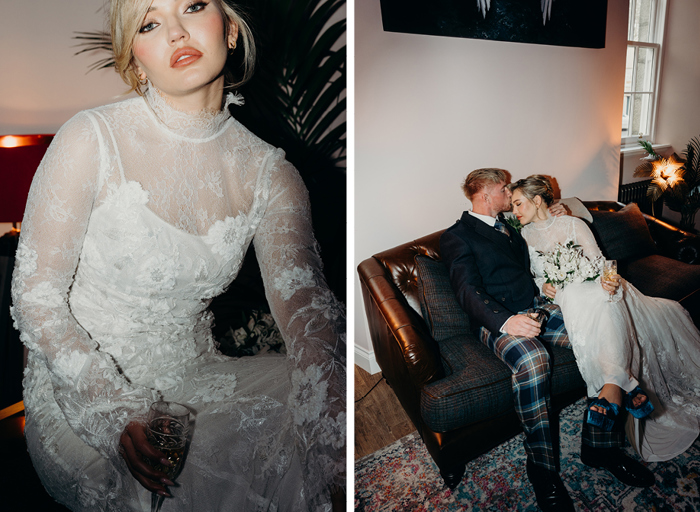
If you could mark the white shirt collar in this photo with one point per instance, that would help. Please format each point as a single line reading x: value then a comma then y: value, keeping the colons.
x: 491, y: 221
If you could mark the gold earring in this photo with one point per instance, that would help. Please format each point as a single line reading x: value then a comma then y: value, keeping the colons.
x: 232, y: 48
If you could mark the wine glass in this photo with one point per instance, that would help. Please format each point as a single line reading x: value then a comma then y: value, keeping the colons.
x: 609, y: 270
x: 168, y: 431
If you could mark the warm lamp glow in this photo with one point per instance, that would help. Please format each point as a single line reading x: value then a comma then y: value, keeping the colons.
x: 14, y: 141
x: 667, y: 173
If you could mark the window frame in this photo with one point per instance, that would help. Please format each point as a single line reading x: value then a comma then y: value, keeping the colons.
x: 657, y: 29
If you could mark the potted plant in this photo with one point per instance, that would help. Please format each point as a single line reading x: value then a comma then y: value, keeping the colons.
x: 675, y: 180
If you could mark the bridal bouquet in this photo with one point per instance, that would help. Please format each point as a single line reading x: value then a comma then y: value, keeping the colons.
x: 567, y: 264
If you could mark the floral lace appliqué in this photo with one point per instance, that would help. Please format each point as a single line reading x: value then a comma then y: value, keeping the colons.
x: 226, y: 236
x: 309, y: 394
x: 289, y: 281
x: 26, y: 259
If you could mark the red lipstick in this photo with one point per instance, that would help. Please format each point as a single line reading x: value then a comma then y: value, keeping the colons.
x: 184, y: 57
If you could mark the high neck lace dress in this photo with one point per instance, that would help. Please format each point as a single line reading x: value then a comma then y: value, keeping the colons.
x: 138, y: 216
x: 632, y: 340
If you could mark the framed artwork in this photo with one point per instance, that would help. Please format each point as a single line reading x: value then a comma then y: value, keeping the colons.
x: 578, y: 23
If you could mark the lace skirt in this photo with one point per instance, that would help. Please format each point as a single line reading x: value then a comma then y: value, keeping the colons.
x: 243, y: 454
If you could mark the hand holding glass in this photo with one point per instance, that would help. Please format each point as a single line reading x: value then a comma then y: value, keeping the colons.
x: 609, y: 270
x: 168, y: 431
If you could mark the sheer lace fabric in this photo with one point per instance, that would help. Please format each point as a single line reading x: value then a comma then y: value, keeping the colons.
x: 138, y: 216
x: 632, y: 340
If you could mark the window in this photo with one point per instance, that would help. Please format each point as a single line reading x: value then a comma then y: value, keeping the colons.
x: 645, y: 34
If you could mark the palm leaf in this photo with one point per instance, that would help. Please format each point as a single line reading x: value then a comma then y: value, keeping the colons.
x: 98, y: 41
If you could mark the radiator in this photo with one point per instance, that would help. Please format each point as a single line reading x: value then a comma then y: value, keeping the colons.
x: 637, y: 193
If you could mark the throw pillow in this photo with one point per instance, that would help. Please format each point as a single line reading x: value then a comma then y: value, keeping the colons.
x: 438, y: 302
x: 623, y: 235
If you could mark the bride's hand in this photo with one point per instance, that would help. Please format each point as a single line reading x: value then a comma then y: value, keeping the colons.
x: 612, y: 284
x: 549, y: 290
x: 134, y: 446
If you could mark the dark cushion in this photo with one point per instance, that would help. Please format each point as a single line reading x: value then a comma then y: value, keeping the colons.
x: 438, y: 302
x: 659, y: 276
x: 479, y: 386
x: 623, y: 235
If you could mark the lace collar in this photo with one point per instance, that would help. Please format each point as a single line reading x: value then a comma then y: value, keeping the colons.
x: 545, y: 224
x: 199, y: 125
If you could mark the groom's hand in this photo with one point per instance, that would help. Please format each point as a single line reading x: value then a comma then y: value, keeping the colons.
x: 522, y: 325
x: 558, y: 209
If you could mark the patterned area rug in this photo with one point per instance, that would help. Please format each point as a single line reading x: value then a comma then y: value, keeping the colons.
x: 403, y: 477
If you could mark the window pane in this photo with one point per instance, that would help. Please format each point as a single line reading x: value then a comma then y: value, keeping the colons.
x: 627, y: 102
x: 636, y: 114
x: 644, y: 70
x: 641, y: 17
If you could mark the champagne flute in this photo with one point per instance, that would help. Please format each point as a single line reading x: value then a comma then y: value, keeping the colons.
x: 609, y: 270
x: 168, y: 431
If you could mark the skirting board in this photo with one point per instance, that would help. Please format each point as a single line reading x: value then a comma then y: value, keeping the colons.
x: 365, y: 360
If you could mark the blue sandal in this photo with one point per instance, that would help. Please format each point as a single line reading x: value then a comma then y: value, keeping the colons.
x: 641, y: 411
x: 603, y: 421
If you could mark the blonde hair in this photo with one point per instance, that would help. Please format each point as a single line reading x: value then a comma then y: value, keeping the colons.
x: 126, y: 17
x: 478, y: 179
x: 533, y: 186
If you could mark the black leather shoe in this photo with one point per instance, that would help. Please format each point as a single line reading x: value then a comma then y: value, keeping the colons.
x: 549, y: 489
x: 624, y: 468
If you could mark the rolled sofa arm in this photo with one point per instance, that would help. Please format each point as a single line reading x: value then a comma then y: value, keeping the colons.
x: 400, y: 337
x: 673, y: 242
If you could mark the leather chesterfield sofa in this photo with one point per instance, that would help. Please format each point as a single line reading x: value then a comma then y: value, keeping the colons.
x: 454, y: 389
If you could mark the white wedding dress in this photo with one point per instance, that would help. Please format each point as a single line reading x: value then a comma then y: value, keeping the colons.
x: 138, y: 216
x: 632, y: 340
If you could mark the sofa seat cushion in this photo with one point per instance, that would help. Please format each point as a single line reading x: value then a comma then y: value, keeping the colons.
x: 478, y: 386
x: 623, y: 235
x: 659, y: 276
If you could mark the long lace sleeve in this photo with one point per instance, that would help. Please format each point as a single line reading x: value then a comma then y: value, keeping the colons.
x: 583, y: 236
x: 312, y: 322
x: 96, y: 400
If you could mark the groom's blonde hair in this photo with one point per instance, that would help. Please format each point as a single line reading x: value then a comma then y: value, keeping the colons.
x: 478, y: 179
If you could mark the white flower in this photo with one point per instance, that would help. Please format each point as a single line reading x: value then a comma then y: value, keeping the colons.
x: 159, y: 273
x: 333, y: 431
x: 308, y: 394
x: 129, y: 194
x: 44, y: 294
x: 27, y: 259
x: 226, y: 237
x: 69, y: 363
x: 289, y: 281
x: 567, y: 264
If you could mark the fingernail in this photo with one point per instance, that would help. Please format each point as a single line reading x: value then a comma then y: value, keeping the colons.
x: 166, y: 462
x: 166, y: 481
x: 165, y: 494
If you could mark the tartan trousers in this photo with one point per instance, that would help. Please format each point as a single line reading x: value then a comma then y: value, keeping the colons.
x: 529, y: 361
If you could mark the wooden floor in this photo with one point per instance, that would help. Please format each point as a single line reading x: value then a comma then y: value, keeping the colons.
x: 379, y: 418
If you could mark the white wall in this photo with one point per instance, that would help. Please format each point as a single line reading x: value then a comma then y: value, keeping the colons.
x: 678, y: 117
x: 42, y: 84
x: 428, y: 110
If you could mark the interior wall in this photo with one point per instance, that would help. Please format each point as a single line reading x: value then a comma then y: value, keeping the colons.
x: 428, y: 110
x: 678, y: 112
x: 43, y: 84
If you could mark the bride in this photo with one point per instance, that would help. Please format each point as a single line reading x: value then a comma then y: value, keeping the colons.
x: 622, y: 347
x: 140, y: 213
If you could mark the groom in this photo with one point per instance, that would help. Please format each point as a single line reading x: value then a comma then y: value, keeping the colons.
x: 489, y: 269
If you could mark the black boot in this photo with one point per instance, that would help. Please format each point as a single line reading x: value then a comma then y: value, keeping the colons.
x: 549, y: 489
x: 624, y: 468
